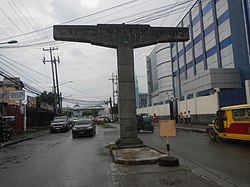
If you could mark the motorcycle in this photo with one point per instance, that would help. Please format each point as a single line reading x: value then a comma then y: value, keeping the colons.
x: 5, y: 133
x: 6, y: 130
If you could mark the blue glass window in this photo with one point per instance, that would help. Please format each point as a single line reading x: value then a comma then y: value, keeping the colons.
x: 161, y: 103
x: 190, y: 64
x: 176, y: 73
x: 195, y: 20
x: 209, y: 29
x: 223, y: 17
x: 199, y: 59
x: 226, y: 42
x: 207, y: 8
x: 190, y: 96
x: 205, y: 92
x: 187, y: 47
x: 182, y: 69
x: 197, y: 39
x: 172, y: 45
x: 182, y: 98
x: 211, y: 51
x: 180, y: 53
x: 174, y: 58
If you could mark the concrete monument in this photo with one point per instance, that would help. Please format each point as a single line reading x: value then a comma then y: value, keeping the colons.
x: 124, y: 38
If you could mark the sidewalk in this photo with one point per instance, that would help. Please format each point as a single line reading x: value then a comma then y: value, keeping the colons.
x: 31, y: 133
x: 202, y: 128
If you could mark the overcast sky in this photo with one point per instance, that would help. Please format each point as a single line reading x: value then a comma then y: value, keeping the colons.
x: 89, y: 67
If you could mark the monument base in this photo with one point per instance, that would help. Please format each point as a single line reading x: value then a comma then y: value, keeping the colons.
x: 129, y: 143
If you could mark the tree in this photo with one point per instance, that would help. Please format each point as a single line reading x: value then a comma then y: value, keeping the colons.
x: 90, y: 112
x: 46, y: 98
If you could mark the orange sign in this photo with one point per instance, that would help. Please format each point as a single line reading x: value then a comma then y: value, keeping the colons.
x: 167, y: 128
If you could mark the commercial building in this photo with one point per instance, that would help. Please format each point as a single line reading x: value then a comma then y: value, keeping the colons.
x: 212, y: 68
x: 159, y: 75
x: 216, y: 58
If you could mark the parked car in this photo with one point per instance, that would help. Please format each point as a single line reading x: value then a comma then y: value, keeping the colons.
x: 83, y: 127
x: 104, y: 119
x: 60, y: 124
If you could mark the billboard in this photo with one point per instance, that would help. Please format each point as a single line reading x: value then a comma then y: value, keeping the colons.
x: 12, y: 95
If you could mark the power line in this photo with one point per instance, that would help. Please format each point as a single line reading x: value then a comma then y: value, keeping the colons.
x: 72, y: 20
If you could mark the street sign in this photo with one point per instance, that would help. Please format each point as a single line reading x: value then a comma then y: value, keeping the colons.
x: 167, y: 128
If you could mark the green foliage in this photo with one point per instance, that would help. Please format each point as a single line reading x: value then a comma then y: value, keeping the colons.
x: 111, y: 147
x: 91, y: 112
x: 46, y: 98
x: 105, y: 125
x: 67, y: 113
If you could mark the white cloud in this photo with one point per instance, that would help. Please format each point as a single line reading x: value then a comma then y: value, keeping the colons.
x: 89, y: 4
x: 88, y: 66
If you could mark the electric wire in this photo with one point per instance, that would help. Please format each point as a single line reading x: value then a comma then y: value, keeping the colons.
x: 37, y: 44
x: 37, y: 25
x: 72, y: 20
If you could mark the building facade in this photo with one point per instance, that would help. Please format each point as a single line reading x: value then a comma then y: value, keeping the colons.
x: 159, y: 75
x: 216, y: 58
x: 143, y: 100
x: 211, y: 69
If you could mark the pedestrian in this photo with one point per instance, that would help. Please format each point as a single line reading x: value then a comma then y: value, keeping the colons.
x: 181, y: 118
x: 185, y: 117
x: 155, y: 117
x: 176, y: 117
x: 189, y: 117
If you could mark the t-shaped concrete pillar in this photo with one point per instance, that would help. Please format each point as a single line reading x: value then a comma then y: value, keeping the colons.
x: 124, y: 38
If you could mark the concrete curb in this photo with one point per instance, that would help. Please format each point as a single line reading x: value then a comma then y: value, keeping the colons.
x: 137, y: 156
x: 192, y: 129
x: 28, y: 137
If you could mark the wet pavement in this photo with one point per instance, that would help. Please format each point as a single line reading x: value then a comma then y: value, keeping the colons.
x: 40, y: 131
x: 138, y: 166
x: 29, y: 134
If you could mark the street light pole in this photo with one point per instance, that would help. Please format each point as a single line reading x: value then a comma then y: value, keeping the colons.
x: 60, y: 94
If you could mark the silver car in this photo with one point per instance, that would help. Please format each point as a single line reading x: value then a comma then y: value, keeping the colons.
x: 59, y: 124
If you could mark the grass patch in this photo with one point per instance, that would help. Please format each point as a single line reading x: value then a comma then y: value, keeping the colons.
x: 111, y: 147
x: 105, y: 125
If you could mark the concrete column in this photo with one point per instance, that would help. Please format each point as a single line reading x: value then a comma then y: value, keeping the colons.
x: 247, y: 88
x: 127, y: 105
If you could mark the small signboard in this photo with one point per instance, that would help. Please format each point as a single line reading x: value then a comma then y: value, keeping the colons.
x: 167, y: 128
x: 17, y: 95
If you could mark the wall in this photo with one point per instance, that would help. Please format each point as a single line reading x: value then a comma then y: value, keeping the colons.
x: 203, y: 109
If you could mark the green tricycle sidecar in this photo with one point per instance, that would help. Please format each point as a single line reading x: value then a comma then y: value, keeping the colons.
x: 144, y: 123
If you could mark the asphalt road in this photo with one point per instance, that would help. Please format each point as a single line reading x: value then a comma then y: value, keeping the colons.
x: 225, y: 162
x: 56, y: 160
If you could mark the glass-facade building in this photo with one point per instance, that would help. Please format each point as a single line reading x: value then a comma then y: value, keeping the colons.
x: 216, y: 58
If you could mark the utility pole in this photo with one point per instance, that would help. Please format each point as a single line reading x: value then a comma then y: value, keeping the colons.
x: 57, y: 83
x: 53, y: 75
x: 114, y: 82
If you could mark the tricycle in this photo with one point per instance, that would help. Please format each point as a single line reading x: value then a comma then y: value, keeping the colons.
x: 144, y: 123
